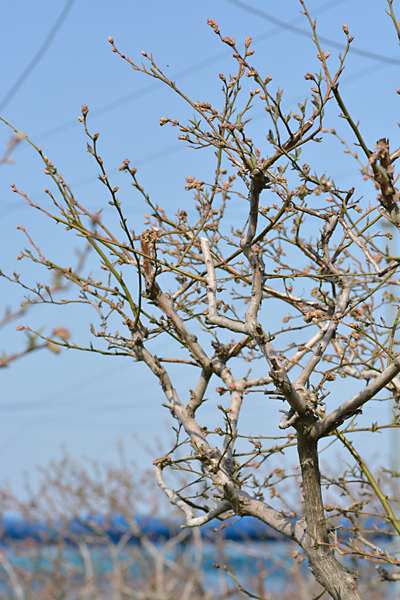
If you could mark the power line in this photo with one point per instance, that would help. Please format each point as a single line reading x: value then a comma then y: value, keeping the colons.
x: 195, y: 68
x: 180, y: 74
x: 53, y: 397
x: 183, y: 73
x: 12, y: 206
x: 79, y: 183
x: 148, y: 89
x: 38, y: 56
x: 305, y: 33
x: 175, y: 148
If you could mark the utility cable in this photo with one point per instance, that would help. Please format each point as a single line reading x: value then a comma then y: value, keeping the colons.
x: 38, y: 56
x: 305, y: 33
x: 148, y: 89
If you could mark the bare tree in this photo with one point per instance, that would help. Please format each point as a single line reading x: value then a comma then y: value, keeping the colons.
x: 90, y: 532
x: 211, y: 291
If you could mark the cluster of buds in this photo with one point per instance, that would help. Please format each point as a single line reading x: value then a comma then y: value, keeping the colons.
x: 214, y: 25
x: 193, y: 184
x: 125, y: 167
x: 151, y: 236
x: 85, y: 110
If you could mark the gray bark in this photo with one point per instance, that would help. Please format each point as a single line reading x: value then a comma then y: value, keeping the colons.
x: 339, y: 582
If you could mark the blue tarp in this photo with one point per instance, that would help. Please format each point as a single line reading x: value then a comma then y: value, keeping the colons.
x: 158, y: 530
x: 18, y: 528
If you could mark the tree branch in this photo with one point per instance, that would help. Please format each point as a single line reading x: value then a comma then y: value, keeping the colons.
x: 348, y: 408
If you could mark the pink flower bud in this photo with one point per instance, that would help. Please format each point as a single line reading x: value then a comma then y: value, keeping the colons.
x: 62, y: 332
x: 230, y: 41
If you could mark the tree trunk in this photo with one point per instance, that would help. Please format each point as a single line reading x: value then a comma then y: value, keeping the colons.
x: 339, y: 582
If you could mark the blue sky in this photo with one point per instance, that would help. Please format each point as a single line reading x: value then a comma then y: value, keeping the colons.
x: 89, y: 402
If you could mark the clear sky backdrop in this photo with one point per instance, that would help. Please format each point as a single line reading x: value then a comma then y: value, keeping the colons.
x: 85, y: 401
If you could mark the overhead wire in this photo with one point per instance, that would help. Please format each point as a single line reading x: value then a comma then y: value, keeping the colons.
x: 38, y: 56
x: 183, y: 73
x: 79, y: 183
x: 51, y: 398
x: 194, y: 68
x: 306, y: 33
x: 186, y: 72
x: 174, y: 148
x: 207, y: 62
